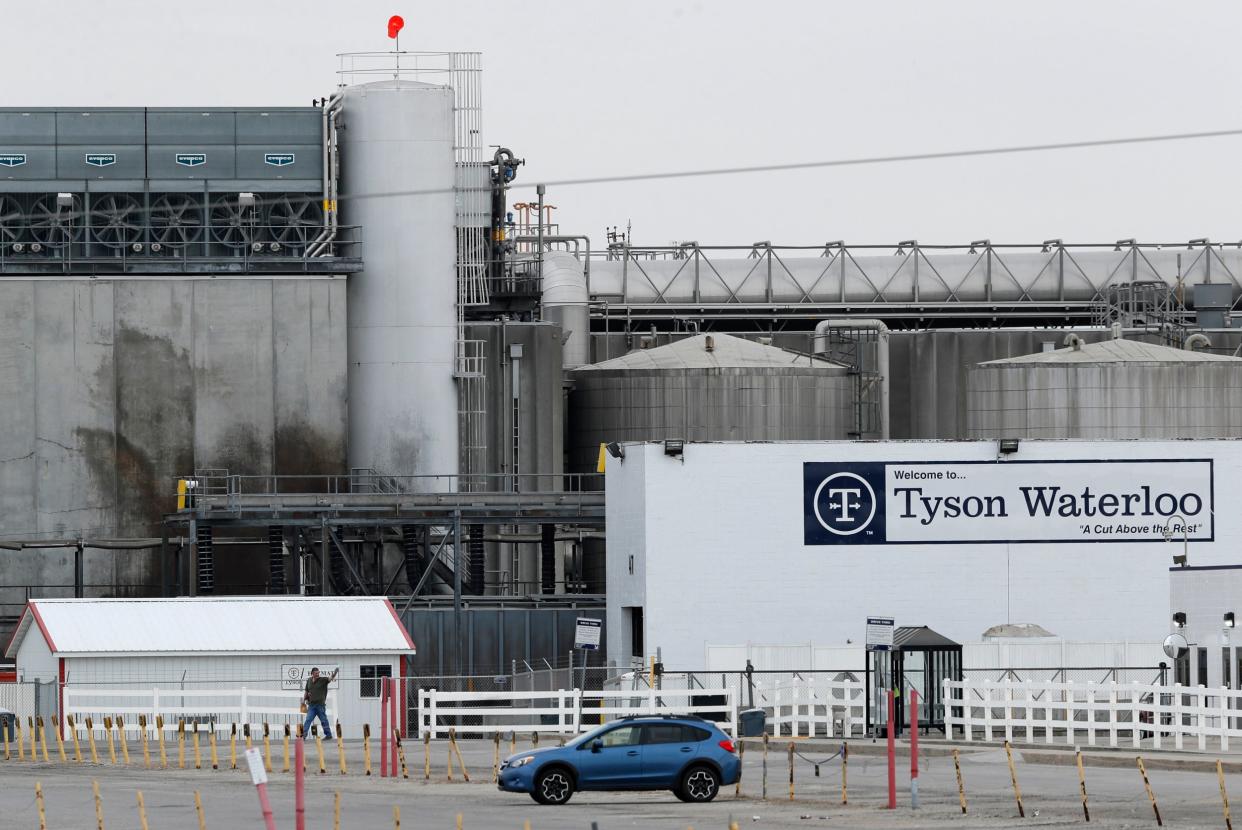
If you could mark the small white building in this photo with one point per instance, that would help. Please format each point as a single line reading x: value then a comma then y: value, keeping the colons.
x: 1206, y: 604
x: 219, y: 660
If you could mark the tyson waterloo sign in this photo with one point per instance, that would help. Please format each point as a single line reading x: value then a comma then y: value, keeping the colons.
x: 945, y: 502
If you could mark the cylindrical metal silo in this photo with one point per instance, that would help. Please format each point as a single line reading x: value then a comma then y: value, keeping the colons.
x: 710, y: 387
x: 1111, y: 389
x: 397, y: 184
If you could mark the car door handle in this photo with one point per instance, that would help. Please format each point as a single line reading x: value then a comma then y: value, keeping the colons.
x: 632, y: 752
x: 686, y: 749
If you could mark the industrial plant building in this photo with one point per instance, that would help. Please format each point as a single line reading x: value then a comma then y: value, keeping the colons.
x: 330, y: 351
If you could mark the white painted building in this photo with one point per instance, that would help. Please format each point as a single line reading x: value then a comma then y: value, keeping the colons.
x: 1207, y: 603
x: 733, y: 543
x: 221, y: 660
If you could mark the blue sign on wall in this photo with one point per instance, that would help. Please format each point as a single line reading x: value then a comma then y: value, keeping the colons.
x: 844, y: 503
x: 279, y: 159
x: 100, y: 159
x: 191, y: 159
x: 12, y: 159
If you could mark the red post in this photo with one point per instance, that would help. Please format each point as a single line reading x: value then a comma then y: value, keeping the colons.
x: 383, y: 727
x: 914, y: 749
x: 258, y: 774
x: 393, y: 724
x: 299, y: 785
x: 892, y: 753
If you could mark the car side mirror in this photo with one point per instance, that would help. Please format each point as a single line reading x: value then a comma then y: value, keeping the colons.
x: 597, y: 745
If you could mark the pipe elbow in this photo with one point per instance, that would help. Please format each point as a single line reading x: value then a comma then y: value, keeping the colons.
x: 1198, y: 340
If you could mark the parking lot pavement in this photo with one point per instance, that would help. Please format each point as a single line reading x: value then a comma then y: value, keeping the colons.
x: 1050, y: 795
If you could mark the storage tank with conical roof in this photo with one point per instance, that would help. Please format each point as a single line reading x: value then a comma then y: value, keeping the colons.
x: 710, y: 387
x: 1112, y: 389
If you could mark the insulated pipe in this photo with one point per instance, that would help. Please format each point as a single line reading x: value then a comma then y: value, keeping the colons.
x: 566, y: 301
x: 1072, y: 341
x: 330, y: 169
x: 819, y: 345
x: 1198, y: 340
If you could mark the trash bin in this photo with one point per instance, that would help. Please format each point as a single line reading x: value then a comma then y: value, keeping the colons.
x: 6, y: 725
x: 750, y: 723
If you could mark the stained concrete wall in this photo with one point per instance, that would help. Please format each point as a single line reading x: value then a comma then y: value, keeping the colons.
x: 112, y: 388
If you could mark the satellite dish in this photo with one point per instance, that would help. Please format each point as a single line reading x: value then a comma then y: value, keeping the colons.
x: 1176, y: 647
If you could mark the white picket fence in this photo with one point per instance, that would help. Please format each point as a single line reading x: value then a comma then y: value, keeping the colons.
x: 217, y: 709
x: 814, y: 707
x: 561, y: 712
x: 1093, y: 713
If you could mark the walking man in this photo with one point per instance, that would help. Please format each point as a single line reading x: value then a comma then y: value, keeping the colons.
x: 315, y: 698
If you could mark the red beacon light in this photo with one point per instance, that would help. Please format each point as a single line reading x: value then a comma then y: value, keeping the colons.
x: 395, y: 24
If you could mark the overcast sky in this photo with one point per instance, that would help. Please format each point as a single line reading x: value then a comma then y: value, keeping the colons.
x: 581, y: 88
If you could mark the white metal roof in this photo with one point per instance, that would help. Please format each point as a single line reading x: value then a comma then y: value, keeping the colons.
x: 1116, y: 351
x: 215, y: 625
x: 727, y: 352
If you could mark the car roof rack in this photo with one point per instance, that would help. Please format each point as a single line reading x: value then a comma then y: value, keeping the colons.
x: 666, y: 717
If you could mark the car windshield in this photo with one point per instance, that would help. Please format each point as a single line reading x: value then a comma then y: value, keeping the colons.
x: 587, y: 737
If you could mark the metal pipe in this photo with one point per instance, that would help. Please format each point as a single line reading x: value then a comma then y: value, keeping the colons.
x: 1198, y: 340
x: 331, y: 110
x: 819, y: 346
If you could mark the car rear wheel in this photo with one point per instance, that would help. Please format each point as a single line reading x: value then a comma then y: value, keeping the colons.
x: 699, y: 784
x: 553, y: 786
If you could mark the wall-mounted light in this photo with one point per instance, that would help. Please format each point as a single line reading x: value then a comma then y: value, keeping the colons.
x: 674, y: 448
x: 1179, y: 619
x: 1180, y: 559
x: 616, y: 450
x: 1229, y: 619
x: 1007, y: 446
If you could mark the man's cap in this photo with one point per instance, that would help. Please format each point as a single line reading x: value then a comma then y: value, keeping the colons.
x: 314, y: 670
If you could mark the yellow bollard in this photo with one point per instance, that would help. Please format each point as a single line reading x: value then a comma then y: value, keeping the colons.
x: 246, y: 733
x: 741, y: 754
x: 319, y: 748
x: 961, y: 789
x: 427, y: 756
x: 302, y: 736
x: 60, y: 740
x: 90, y: 737
x: 1082, y: 786
x: 142, y: 812
x: 73, y: 733
x: 340, y: 748
x: 98, y: 806
x: 267, y: 748
x: 1224, y: 795
x: 396, y: 736
x: 1151, y: 796
x: 765, y: 766
x: 336, y: 811
x: 43, y: 735
x: 198, y: 808
x: 211, y: 746
x: 39, y: 804
x: 285, y: 767
x: 496, y: 756
x: 461, y: 763
x: 120, y: 736
x: 513, y: 742
x: 17, y: 730
x: 791, y: 771
x: 1013, y: 776
x: 111, y: 743
x: 142, y: 732
x: 396, y: 817
x: 181, y: 743
x: 4, y: 727
x: 233, y: 746
x: 366, y: 749
x: 459, y: 821
x: 198, y: 754
x: 159, y: 739
x: 34, y: 738
x: 845, y: 768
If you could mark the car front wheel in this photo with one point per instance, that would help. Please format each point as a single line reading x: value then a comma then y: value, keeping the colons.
x: 699, y: 784
x: 553, y: 786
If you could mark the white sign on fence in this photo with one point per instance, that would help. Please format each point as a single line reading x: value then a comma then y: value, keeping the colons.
x: 881, y: 502
x: 879, y: 634
x: 293, y: 676
x: 587, y: 633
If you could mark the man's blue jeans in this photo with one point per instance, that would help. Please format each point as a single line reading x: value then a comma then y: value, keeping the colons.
x: 316, y: 710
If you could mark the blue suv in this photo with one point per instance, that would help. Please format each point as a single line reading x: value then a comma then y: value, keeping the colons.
x: 687, y: 755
